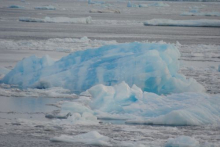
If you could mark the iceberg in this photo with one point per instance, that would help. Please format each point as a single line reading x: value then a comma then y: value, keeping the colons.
x: 49, y: 7
x: 85, y: 20
x: 183, y: 23
x: 90, y: 138
x: 151, y: 66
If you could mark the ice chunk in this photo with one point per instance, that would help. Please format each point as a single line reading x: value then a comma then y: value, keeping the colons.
x: 85, y: 20
x: 159, y: 4
x: 95, y: 2
x: 49, y: 7
x: 90, y: 138
x: 151, y: 66
x: 129, y: 4
x: 104, y: 11
x: 182, y: 141
x: 219, y: 68
x: 85, y: 118
x: 183, y: 23
x: 143, y: 5
x: 15, y: 7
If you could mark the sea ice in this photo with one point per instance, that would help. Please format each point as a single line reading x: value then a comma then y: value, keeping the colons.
x: 85, y: 20
x: 49, y: 7
x: 90, y: 138
x: 219, y: 68
x: 151, y: 66
x: 54, y: 44
x: 183, y: 23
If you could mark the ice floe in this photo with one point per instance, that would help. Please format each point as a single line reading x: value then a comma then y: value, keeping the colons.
x: 183, y: 23
x: 48, y: 7
x: 151, y: 66
x: 90, y: 138
x: 16, y: 7
x: 95, y: 2
x: 85, y: 20
x: 104, y: 11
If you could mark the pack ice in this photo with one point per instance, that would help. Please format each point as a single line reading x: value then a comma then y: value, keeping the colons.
x: 151, y: 66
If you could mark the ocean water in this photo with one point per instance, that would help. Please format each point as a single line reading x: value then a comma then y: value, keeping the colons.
x: 200, y: 59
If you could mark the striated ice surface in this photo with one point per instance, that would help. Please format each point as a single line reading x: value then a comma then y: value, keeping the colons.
x: 151, y: 66
x: 85, y: 20
x: 183, y: 23
x: 90, y: 138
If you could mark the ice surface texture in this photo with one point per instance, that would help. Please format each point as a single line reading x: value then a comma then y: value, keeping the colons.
x: 183, y: 23
x: 152, y: 67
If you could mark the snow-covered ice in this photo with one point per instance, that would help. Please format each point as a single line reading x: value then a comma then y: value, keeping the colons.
x: 48, y: 7
x: 151, y: 66
x: 183, y: 23
x: 85, y: 20
x: 90, y: 138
